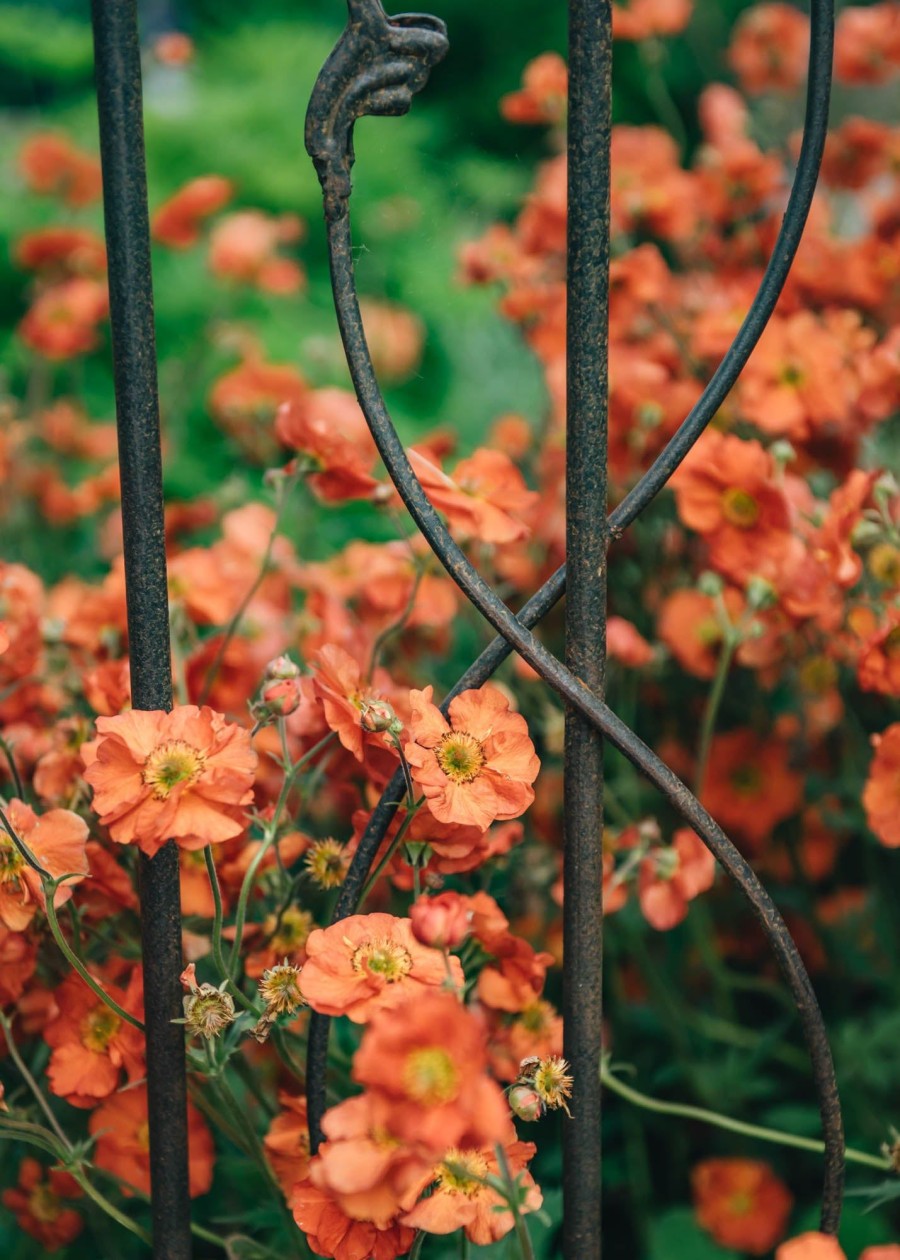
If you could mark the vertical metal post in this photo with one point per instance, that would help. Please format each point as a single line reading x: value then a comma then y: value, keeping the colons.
x: 590, y: 104
x: 120, y: 107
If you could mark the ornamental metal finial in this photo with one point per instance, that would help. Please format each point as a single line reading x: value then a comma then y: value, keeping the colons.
x: 376, y: 67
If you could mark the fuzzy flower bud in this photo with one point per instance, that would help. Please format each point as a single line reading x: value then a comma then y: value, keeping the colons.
x: 278, y: 698
x: 442, y: 922
x: 282, y: 667
x: 525, y: 1102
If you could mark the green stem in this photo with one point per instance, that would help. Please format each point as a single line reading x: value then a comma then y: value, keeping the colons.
x: 109, y: 1208
x: 391, y: 850
x: 687, y: 1112
x: 13, y: 768
x: 217, y: 912
x: 265, y: 845
x: 31, y: 1082
x: 77, y: 965
x: 416, y: 1249
x: 512, y: 1197
x: 713, y: 703
x: 652, y: 53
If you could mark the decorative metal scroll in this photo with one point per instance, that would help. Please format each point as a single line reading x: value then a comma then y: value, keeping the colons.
x: 377, y: 66
x: 360, y: 77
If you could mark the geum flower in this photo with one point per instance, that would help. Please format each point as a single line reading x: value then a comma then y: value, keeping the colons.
x: 91, y: 1043
x: 185, y: 775
x: 429, y: 1062
x: 367, y: 963
x: 331, y: 1232
x: 672, y: 876
x: 57, y: 840
x: 477, y: 768
x: 460, y: 1198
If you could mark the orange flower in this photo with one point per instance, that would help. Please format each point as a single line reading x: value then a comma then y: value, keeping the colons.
x: 184, y: 775
x: 750, y: 787
x: 741, y: 1203
x: 57, y: 839
x: 62, y: 251
x: 242, y: 248
x: 626, y: 644
x: 51, y: 164
x: 176, y: 222
x: 478, y: 768
x: 878, y: 667
x: 245, y: 401
x: 395, y: 336
x: 647, y: 19
x: 329, y: 428
x: 330, y: 1232
x: 867, y: 44
x: 725, y: 490
x: 671, y: 877
x: 544, y: 95
x: 62, y: 321
x: 770, y: 48
x: 881, y: 794
x: 287, y: 1142
x: 812, y: 1246
x: 484, y: 499
x: 348, y: 699
x: 38, y: 1207
x: 461, y: 1200
x: 429, y: 1062
x: 370, y: 1175
x: 367, y: 963
x: 122, y: 1131
x: 516, y: 977
x: 91, y: 1043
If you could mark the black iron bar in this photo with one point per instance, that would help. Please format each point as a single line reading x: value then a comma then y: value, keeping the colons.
x: 578, y: 697
x: 119, y: 100
x: 587, y: 414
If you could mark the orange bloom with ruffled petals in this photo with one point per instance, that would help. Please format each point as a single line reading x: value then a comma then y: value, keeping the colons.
x: 370, y: 1175
x: 544, y: 95
x: 881, y: 794
x: 741, y: 1203
x: 648, y: 19
x: 330, y: 1232
x: 177, y: 221
x: 749, y: 786
x: 430, y: 1064
x: 367, y: 963
x: 122, y: 1130
x: 460, y: 1200
x: 671, y: 877
x: 867, y: 43
x: 330, y: 430
x: 516, y: 977
x: 50, y: 163
x: 476, y: 768
x: 185, y: 775
x: 726, y: 491
x: 287, y: 1142
x: 57, y: 840
x: 484, y: 499
x: 37, y: 1203
x: 62, y: 320
x: 770, y: 48
x: 91, y: 1044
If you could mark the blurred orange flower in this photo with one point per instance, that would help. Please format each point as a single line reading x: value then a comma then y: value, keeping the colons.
x: 177, y: 221
x: 50, y: 163
x: 122, y: 1130
x: 330, y: 1232
x: 881, y: 794
x: 37, y: 1203
x: 57, y: 840
x: 741, y: 1203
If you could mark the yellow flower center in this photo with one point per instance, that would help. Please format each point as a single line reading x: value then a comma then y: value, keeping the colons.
x: 172, y: 763
x: 383, y: 957
x: 552, y: 1082
x: 536, y: 1017
x: 746, y: 780
x: 740, y: 508
x: 741, y: 1204
x: 327, y: 863
x: 791, y: 374
x: 293, y: 931
x: 98, y: 1028
x: 142, y: 1137
x: 11, y: 861
x: 708, y: 632
x: 884, y: 564
x: 892, y: 643
x: 460, y: 1172
x: 430, y: 1076
x: 818, y: 675
x: 460, y: 756
x: 43, y: 1204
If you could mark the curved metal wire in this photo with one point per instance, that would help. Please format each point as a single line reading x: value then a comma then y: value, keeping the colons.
x: 333, y: 163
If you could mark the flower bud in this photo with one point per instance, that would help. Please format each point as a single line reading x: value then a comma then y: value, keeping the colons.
x: 378, y: 715
x: 710, y: 584
x: 280, y: 697
x: 282, y: 667
x: 442, y: 922
x: 525, y: 1103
